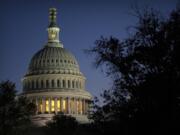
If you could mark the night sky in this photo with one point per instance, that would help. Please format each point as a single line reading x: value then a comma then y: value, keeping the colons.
x: 23, y: 32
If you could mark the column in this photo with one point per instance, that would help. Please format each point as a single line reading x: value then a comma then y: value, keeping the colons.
x: 55, y: 83
x: 66, y: 83
x: 55, y: 105
x: 50, y: 83
x: 36, y: 102
x: 61, y: 83
x: 39, y: 104
x: 70, y: 84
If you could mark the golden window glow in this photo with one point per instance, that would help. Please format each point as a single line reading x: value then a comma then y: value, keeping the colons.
x: 58, y: 105
x: 40, y: 107
x: 64, y: 105
x: 52, y: 106
x: 77, y: 102
x: 79, y: 107
x: 47, y: 105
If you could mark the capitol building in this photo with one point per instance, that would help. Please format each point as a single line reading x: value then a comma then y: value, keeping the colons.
x: 54, y: 81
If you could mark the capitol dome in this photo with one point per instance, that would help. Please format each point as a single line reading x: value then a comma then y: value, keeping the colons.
x: 54, y: 81
x: 53, y: 60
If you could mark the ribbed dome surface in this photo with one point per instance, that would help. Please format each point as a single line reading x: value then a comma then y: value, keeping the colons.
x: 53, y: 60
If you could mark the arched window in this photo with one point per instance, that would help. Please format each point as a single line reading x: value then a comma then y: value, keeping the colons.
x: 32, y: 84
x: 29, y: 85
x: 44, y: 62
x: 80, y: 85
x: 73, y: 84
x: 42, y: 84
x: 52, y: 83
x: 37, y: 84
x: 47, y: 83
x: 64, y: 83
x: 69, y: 84
x: 58, y: 83
x: 76, y: 84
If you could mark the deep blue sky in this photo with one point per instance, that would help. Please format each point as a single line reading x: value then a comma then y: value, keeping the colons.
x: 23, y: 26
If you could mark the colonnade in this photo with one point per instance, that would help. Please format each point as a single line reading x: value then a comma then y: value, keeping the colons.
x: 67, y: 105
x: 53, y: 83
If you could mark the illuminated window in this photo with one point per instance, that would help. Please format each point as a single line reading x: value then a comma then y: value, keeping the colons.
x: 58, y: 105
x: 41, y: 107
x: 79, y: 107
x: 47, y: 105
x: 64, y: 105
x: 52, y: 106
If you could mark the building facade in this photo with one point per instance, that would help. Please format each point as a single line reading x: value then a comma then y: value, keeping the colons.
x: 54, y: 81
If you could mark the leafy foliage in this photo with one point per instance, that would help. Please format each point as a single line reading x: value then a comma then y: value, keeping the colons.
x: 63, y: 124
x: 146, y: 74
x: 15, y: 111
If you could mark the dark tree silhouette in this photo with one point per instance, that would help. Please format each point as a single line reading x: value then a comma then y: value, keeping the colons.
x: 145, y: 97
x: 15, y: 111
x: 62, y: 124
